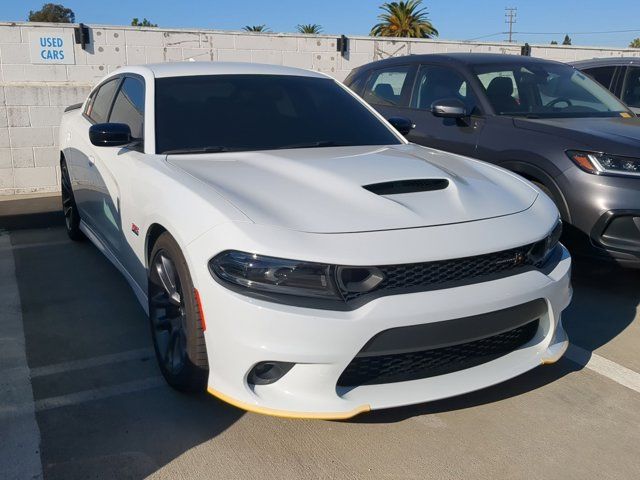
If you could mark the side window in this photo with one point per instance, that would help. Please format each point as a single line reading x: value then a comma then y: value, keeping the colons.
x: 129, y: 106
x: 98, y: 107
x: 439, y: 83
x: 489, y: 78
x: 631, y: 93
x: 385, y: 87
x: 602, y: 75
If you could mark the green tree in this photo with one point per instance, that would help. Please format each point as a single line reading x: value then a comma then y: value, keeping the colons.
x: 404, y: 19
x: 553, y: 42
x: 635, y: 43
x: 256, y: 28
x: 144, y: 23
x: 567, y: 40
x: 51, y: 12
x: 310, y: 28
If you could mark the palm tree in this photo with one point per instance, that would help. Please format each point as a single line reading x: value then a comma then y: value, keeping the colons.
x: 310, y: 28
x: 404, y: 19
x: 256, y: 28
x: 635, y: 43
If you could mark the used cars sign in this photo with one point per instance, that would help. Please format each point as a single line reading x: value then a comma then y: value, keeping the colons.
x: 51, y: 47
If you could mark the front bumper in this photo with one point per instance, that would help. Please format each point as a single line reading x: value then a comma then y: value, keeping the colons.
x: 243, y: 331
x: 605, y: 211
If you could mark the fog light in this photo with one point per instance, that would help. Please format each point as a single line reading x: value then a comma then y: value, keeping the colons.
x: 266, y: 373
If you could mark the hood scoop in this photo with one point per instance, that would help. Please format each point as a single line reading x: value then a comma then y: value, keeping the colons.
x: 397, y: 187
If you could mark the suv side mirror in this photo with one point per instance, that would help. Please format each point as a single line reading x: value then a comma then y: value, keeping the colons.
x: 110, y: 134
x: 449, y: 108
x: 401, y: 124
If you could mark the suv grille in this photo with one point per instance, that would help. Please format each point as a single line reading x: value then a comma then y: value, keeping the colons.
x: 373, y: 370
x: 447, y: 273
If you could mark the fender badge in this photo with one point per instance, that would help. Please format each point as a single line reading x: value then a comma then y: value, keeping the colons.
x: 135, y: 229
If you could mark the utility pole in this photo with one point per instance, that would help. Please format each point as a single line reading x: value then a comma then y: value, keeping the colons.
x: 510, y: 14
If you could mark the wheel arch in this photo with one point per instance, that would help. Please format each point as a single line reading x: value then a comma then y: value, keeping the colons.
x: 538, y: 175
x: 153, y: 233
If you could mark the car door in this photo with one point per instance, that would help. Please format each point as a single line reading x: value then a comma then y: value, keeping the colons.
x: 82, y: 157
x: 115, y: 167
x: 631, y: 88
x: 388, y: 90
x: 438, y: 82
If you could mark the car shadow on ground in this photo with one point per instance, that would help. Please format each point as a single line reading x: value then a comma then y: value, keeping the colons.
x: 605, y: 303
x: 102, y: 407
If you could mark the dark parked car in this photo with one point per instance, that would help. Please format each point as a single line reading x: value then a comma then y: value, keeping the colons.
x: 544, y: 120
x: 621, y: 75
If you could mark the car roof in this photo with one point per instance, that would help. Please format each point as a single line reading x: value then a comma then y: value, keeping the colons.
x: 604, y: 62
x: 182, y: 69
x: 462, y: 59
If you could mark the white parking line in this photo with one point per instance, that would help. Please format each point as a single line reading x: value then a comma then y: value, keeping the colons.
x: 612, y: 370
x: 98, y: 393
x: 64, y: 367
x: 20, y: 437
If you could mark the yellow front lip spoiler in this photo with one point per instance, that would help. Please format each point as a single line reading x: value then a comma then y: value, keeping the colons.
x: 557, y: 355
x: 289, y: 414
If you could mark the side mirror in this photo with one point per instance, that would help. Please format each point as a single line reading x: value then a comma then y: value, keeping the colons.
x: 449, y: 108
x: 401, y: 124
x: 110, y: 134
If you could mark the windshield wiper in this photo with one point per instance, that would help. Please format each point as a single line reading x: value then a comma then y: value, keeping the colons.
x: 211, y: 149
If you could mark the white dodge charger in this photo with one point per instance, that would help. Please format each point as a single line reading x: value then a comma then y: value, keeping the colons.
x: 296, y: 256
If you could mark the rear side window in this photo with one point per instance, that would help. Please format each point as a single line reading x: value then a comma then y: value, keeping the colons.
x: 98, y: 108
x: 129, y: 106
x: 602, y: 75
x: 631, y: 93
x: 385, y: 87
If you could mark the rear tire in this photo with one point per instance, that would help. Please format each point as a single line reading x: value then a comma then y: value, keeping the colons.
x: 174, y: 314
x: 69, y: 207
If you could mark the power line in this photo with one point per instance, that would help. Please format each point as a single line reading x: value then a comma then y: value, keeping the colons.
x: 510, y: 14
x: 579, y: 33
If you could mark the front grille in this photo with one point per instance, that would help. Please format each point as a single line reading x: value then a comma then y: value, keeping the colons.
x: 448, y: 273
x: 402, y: 367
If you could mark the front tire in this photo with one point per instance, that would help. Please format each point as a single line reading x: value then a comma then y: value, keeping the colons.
x: 69, y: 207
x: 174, y: 314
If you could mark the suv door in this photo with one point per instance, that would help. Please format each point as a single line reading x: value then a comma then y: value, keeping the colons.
x: 437, y: 82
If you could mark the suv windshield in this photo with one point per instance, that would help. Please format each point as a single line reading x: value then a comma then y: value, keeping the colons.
x: 546, y: 91
x: 217, y: 113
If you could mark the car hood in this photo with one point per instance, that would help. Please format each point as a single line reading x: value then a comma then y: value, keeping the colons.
x: 320, y: 190
x: 591, y: 131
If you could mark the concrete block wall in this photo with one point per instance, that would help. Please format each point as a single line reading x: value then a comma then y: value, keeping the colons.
x: 33, y: 96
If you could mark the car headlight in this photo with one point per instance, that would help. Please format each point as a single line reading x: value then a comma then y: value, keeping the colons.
x: 541, y: 251
x: 605, y: 164
x: 280, y: 276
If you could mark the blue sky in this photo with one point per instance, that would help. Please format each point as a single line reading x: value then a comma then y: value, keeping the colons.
x: 455, y: 19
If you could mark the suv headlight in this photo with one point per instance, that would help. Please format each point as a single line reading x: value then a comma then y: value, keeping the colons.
x: 605, y: 164
x: 542, y: 250
x: 280, y: 276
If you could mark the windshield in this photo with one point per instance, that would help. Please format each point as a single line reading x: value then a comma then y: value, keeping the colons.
x: 216, y: 113
x: 546, y: 91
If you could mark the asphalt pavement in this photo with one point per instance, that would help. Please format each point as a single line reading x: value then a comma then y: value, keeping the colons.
x: 81, y: 396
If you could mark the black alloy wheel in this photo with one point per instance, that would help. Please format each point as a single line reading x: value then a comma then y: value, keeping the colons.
x: 174, y: 315
x: 69, y: 207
